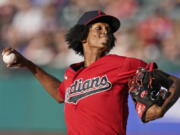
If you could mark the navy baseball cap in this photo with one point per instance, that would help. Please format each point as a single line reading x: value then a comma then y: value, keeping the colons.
x: 91, y: 17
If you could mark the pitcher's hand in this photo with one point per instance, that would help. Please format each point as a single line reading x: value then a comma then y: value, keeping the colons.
x: 20, y: 60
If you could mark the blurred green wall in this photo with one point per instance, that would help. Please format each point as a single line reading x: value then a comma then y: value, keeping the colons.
x: 24, y: 105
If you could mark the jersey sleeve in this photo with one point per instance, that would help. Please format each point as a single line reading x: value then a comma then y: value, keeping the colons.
x: 128, y: 69
x: 62, y: 85
x: 134, y: 64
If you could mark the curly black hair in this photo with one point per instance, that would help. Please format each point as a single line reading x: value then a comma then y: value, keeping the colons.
x: 78, y: 33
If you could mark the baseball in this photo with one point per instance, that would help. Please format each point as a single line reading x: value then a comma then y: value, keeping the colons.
x: 9, y: 59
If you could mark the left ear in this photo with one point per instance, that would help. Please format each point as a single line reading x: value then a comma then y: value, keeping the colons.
x: 84, y: 41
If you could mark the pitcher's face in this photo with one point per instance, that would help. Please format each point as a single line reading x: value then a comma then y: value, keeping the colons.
x: 98, y: 35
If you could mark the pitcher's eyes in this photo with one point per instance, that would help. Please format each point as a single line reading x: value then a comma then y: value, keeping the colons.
x: 98, y: 27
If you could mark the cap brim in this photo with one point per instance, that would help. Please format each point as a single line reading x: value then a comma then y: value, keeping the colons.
x: 113, y: 22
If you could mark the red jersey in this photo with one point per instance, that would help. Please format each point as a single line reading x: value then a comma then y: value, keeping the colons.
x: 96, y: 96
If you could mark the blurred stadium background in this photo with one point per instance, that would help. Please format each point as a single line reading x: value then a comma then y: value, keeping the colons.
x: 150, y: 31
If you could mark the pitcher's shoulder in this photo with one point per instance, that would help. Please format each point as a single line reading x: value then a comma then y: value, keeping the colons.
x: 119, y: 57
x: 116, y: 57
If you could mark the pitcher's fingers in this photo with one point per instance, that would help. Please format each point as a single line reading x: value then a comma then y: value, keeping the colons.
x: 13, y: 65
x: 7, y: 51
